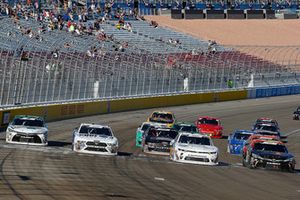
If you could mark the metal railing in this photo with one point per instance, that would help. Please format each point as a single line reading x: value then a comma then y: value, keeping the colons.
x: 35, y: 70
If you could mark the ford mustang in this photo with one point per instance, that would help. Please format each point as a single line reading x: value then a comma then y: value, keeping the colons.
x: 236, y: 141
x: 95, y: 139
x: 26, y: 129
x: 268, y: 154
x: 210, y: 126
x: 157, y: 140
x: 194, y: 148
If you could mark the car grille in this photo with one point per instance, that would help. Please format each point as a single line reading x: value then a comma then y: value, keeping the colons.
x: 26, y: 138
x: 197, y: 159
x: 95, y: 149
x: 273, y: 157
x: 100, y: 144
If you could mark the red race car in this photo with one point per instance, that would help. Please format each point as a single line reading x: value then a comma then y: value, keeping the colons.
x: 210, y: 126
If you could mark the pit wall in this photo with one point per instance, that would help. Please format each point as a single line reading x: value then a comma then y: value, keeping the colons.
x: 57, y: 112
x: 71, y: 110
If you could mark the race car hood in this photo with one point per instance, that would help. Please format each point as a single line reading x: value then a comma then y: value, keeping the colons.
x: 28, y: 129
x: 209, y: 127
x: 100, y: 138
x: 199, y: 148
x: 273, y: 155
x: 237, y: 142
x: 159, y: 139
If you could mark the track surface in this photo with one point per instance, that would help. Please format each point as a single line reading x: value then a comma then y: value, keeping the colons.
x: 55, y: 172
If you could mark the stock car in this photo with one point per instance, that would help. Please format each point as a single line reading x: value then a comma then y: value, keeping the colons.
x: 267, y: 154
x: 94, y: 139
x: 265, y: 121
x: 210, y: 126
x: 296, y: 114
x: 26, y: 129
x: 186, y: 127
x: 237, y: 140
x: 194, y: 148
x: 163, y: 118
x: 139, y: 133
x: 157, y: 140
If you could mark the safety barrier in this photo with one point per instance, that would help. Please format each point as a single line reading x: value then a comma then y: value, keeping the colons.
x: 72, y: 110
x: 273, y: 91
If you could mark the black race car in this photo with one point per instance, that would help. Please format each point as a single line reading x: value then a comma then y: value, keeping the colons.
x: 296, y: 114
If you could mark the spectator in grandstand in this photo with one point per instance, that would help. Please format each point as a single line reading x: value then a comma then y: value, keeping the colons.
x: 154, y: 24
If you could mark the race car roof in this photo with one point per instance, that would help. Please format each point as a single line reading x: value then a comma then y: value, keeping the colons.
x: 244, y: 131
x: 163, y: 112
x: 208, y: 117
x: 29, y: 117
x: 94, y: 125
x: 194, y: 135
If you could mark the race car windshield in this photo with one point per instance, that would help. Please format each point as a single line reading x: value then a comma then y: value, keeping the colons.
x: 270, y: 147
x: 28, y: 122
x: 190, y: 129
x: 145, y: 127
x: 269, y: 128
x: 241, y: 136
x: 209, y: 121
x: 167, y: 134
x: 162, y: 118
x: 95, y: 131
x: 194, y: 140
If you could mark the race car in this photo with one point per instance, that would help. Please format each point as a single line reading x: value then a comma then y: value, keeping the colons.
x: 157, y: 140
x: 94, y: 139
x: 268, y: 154
x: 163, y: 118
x: 186, y: 127
x: 296, y: 114
x: 264, y: 120
x: 236, y: 141
x: 210, y: 126
x: 26, y: 129
x: 194, y: 148
x: 139, y: 133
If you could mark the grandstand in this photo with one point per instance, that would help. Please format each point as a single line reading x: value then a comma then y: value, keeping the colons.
x: 45, y: 58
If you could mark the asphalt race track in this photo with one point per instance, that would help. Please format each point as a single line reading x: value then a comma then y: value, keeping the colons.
x: 55, y: 172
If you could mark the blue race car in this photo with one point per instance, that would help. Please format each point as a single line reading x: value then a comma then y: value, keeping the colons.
x: 236, y: 141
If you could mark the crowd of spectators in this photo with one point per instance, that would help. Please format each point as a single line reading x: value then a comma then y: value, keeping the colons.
x: 73, y: 20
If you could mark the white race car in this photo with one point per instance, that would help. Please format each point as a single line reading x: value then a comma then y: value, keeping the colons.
x: 194, y: 148
x: 26, y: 129
x: 95, y: 139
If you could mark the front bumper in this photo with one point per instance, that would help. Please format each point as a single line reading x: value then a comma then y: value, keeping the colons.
x: 28, y: 139
x: 195, y: 158
x: 214, y: 135
x: 95, y: 148
x: 158, y: 150
x: 235, y: 149
x: 272, y: 164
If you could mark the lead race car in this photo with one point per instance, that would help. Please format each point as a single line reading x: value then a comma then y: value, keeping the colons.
x: 95, y: 139
x: 194, y: 148
x: 25, y: 129
x: 162, y: 118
